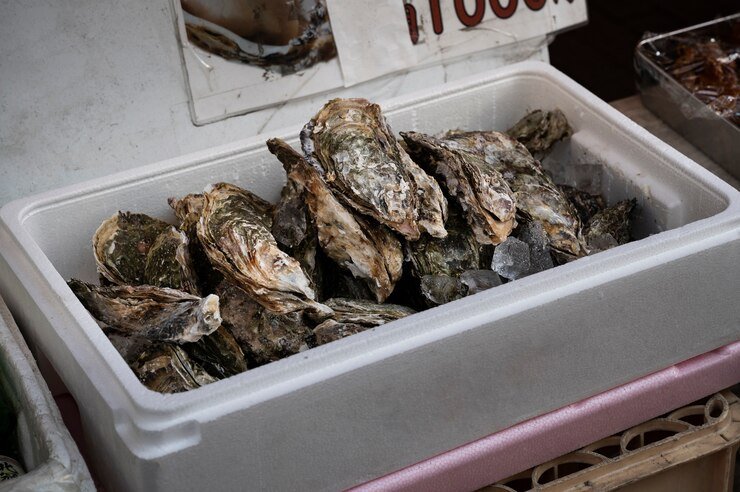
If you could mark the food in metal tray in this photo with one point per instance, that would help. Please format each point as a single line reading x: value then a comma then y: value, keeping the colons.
x: 361, y: 236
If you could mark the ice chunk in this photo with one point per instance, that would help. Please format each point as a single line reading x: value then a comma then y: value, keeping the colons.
x: 535, y: 236
x: 511, y: 259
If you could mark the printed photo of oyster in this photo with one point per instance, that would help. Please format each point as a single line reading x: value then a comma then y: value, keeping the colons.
x: 286, y: 36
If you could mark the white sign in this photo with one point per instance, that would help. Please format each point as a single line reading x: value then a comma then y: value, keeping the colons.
x: 236, y: 62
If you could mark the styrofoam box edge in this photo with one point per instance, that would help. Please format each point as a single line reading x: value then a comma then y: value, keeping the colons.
x: 50, y: 453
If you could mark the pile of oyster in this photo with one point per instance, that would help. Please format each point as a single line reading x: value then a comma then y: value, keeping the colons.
x: 368, y: 229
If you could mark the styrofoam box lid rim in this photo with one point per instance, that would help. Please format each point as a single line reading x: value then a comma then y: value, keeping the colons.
x: 155, y: 411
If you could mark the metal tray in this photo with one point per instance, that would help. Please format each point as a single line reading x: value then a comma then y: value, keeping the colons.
x: 679, y: 108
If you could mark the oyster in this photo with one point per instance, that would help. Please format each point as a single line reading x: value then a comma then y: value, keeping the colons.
x: 151, y: 312
x: 441, y: 289
x: 609, y: 227
x: 537, y: 197
x: 366, y: 312
x: 263, y: 336
x: 366, y: 249
x: 449, y: 256
x: 330, y: 330
x: 290, y: 223
x: 166, y: 368
x: 479, y: 280
x: 188, y: 210
x: 168, y: 262
x: 586, y: 204
x: 480, y: 189
x: 286, y: 36
x: 539, y: 130
x: 218, y: 353
x: 350, y: 142
x: 121, y: 245
x: 234, y: 230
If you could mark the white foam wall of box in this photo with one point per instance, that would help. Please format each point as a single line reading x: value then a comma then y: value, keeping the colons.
x: 370, y: 404
x: 50, y: 456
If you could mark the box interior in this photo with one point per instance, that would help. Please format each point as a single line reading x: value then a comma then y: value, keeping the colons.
x: 667, y: 198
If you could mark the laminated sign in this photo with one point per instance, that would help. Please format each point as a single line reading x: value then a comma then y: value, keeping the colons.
x: 244, y: 55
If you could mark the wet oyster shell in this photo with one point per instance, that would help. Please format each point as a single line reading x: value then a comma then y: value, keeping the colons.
x: 366, y: 312
x: 360, y: 159
x: 218, y: 353
x: 330, y: 330
x: 154, y: 313
x: 609, y: 227
x: 234, y: 230
x: 302, y: 38
x: 121, y: 245
x: 367, y: 250
x: 539, y: 130
x: 166, y: 368
x: 450, y: 256
x: 263, y: 336
x: 441, y: 289
x: 537, y: 197
x: 481, y: 191
x: 188, y: 210
x: 168, y: 263
x: 586, y: 204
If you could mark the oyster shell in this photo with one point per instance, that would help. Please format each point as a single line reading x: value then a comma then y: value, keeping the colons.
x: 168, y: 263
x: 166, y: 368
x: 480, y: 189
x: 449, y: 256
x: 218, y: 353
x: 366, y: 312
x: 286, y: 36
x: 350, y: 142
x: 537, y: 197
x: 151, y: 312
x: 330, y: 330
x: 367, y: 250
x: 539, y: 130
x: 188, y: 210
x: 585, y: 203
x: 121, y: 245
x: 441, y: 289
x: 263, y: 336
x: 234, y: 230
x: 290, y: 223
x: 609, y: 227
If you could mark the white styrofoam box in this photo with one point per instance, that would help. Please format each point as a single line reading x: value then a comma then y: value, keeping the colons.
x: 50, y: 456
x: 372, y: 403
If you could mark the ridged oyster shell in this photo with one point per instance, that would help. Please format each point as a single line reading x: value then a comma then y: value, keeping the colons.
x: 539, y: 130
x: 537, y: 197
x: 121, y: 245
x: 234, y: 229
x: 168, y: 262
x: 353, y: 316
x: 481, y: 191
x: 360, y: 159
x: 369, y: 251
x: 167, y: 368
x: 151, y: 312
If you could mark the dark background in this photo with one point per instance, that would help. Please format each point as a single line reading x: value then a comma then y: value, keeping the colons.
x: 599, y: 55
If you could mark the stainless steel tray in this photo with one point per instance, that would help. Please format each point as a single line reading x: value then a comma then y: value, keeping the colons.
x: 678, y: 107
